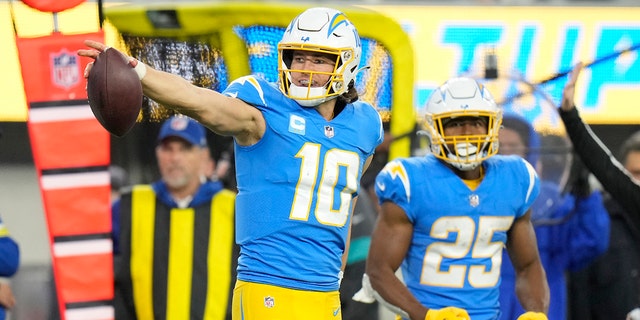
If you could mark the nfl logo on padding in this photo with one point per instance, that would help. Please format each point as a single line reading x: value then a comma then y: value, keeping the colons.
x: 65, y: 70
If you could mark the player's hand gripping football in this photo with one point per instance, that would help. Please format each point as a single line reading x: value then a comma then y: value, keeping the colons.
x: 448, y: 313
x: 94, y: 52
x: 532, y: 316
x: 114, y: 88
x: 97, y: 48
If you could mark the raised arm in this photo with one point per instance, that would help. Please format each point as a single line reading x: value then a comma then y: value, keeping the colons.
x: 596, y: 156
x: 222, y: 114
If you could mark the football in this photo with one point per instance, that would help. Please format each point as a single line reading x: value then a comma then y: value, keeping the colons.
x: 115, y: 92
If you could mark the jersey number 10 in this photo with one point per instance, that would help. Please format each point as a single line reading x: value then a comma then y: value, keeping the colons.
x: 329, y: 169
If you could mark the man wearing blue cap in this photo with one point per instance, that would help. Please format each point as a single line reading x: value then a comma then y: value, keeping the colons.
x: 174, y: 239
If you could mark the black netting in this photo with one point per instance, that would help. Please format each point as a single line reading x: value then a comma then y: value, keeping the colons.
x: 194, y: 60
x: 205, y: 66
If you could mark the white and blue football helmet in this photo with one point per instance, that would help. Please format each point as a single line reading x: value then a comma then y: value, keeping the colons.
x: 322, y: 30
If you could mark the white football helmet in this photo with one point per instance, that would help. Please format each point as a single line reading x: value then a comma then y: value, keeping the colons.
x: 326, y: 31
x: 462, y: 97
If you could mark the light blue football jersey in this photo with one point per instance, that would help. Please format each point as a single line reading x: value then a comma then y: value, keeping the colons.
x: 455, y: 254
x: 296, y: 186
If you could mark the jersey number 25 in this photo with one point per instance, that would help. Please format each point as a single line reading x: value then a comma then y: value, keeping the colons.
x: 480, y: 245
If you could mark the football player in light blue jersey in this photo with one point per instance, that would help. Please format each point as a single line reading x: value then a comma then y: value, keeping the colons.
x: 301, y: 147
x: 447, y: 216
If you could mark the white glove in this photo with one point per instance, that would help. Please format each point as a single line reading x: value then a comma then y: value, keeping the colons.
x: 368, y: 295
x: 365, y: 294
x: 634, y: 314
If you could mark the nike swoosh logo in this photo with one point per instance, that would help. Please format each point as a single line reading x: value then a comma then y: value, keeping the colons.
x: 381, y: 186
x: 335, y: 312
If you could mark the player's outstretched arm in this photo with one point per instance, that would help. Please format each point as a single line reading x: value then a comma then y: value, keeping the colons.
x: 531, y: 281
x: 222, y: 114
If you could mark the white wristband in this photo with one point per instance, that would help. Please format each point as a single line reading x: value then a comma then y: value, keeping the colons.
x: 140, y: 69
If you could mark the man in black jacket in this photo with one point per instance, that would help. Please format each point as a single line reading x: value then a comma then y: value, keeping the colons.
x: 610, y: 288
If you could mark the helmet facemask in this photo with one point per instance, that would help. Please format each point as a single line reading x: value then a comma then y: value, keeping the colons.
x: 321, y: 31
x: 462, y: 98
x: 315, y: 92
x: 463, y: 152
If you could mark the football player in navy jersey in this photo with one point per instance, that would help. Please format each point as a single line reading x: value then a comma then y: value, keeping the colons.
x: 301, y: 147
x: 447, y: 216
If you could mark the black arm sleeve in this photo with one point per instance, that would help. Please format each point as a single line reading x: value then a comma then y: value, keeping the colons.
x: 597, y: 157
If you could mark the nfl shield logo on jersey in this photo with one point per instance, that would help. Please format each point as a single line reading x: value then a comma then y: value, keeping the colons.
x: 269, y: 302
x: 474, y: 200
x: 328, y: 131
x: 65, y: 70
